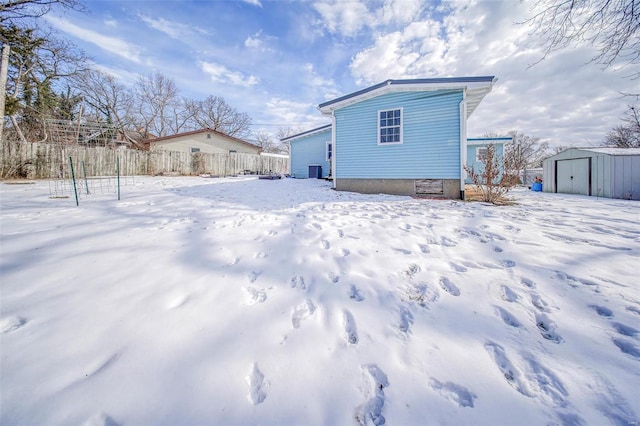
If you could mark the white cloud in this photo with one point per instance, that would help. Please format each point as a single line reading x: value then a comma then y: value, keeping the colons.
x: 345, y: 17
x: 221, y: 74
x: 110, y: 22
x: 113, y: 45
x: 253, y: 2
x: 255, y: 41
x: 174, y: 30
x: 295, y: 114
x: 561, y: 99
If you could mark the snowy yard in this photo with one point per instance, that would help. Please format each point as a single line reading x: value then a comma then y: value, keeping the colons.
x: 243, y: 301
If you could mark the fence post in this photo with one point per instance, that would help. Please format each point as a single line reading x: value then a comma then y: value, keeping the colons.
x: 73, y: 178
x: 118, y: 172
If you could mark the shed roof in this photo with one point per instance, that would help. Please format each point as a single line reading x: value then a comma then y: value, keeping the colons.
x: 613, y: 151
x: 476, y: 88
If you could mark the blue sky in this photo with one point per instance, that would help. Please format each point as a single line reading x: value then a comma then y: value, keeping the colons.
x: 277, y: 60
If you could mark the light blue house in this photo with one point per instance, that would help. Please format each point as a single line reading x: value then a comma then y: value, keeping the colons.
x: 311, y: 149
x: 477, y: 148
x: 401, y: 137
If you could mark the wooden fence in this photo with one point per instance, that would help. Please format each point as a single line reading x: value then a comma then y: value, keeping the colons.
x: 43, y: 161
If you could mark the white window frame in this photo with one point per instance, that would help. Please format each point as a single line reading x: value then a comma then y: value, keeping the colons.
x: 481, y: 151
x: 379, y: 136
x: 326, y: 151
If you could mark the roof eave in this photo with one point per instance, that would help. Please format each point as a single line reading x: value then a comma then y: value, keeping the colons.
x: 476, y: 87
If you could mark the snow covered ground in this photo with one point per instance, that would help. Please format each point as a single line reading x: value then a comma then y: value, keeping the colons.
x: 243, y: 301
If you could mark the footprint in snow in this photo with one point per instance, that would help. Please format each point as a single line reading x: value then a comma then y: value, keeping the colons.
x: 507, y: 317
x: 101, y: 420
x: 402, y: 251
x: 511, y: 373
x: 340, y: 233
x: 349, y: 324
x: 257, y: 385
x: 344, y: 252
x: 298, y: 282
x: 260, y: 255
x: 422, y: 293
x: 508, y: 263
x: 317, y: 226
x: 455, y: 393
x: 412, y: 270
x: 627, y: 347
x: 449, y: 287
x: 370, y: 413
x: 497, y: 249
x: 406, y: 320
x: 354, y: 294
x: 325, y: 244
x: 10, y: 324
x: 334, y: 278
x: 633, y: 309
x: 624, y: 330
x: 253, y: 276
x: 424, y: 248
x: 302, y: 311
x: 547, y: 328
x: 457, y: 268
x: 602, y: 311
x: 447, y: 242
x: 255, y: 295
x: 539, y: 303
x: 527, y: 282
x: 508, y: 295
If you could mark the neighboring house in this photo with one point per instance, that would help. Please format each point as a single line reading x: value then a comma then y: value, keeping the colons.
x: 403, y: 136
x: 602, y: 172
x: 311, y: 148
x: 208, y: 141
x: 477, y: 148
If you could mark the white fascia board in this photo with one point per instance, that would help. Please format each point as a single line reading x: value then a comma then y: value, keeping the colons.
x: 473, y: 90
x: 305, y: 134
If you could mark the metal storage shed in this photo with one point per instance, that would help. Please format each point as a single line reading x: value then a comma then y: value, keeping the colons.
x: 602, y: 172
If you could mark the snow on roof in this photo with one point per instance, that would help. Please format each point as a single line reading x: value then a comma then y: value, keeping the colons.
x: 614, y: 151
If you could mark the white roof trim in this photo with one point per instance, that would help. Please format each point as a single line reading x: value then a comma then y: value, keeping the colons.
x: 475, y: 92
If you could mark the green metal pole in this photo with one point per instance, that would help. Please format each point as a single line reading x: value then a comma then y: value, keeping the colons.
x: 73, y: 178
x: 84, y: 172
x: 118, y: 171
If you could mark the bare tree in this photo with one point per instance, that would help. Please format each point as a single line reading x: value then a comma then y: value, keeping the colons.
x: 157, y: 100
x: 37, y: 61
x: 524, y: 152
x: 626, y: 135
x: 612, y: 26
x: 215, y: 113
x: 285, y: 132
x: 492, y: 181
x: 265, y: 141
x: 12, y: 10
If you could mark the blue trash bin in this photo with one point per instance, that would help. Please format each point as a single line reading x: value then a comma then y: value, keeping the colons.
x: 315, y: 171
x: 536, y: 186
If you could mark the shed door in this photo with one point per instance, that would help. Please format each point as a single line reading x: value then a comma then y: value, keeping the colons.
x: 573, y: 176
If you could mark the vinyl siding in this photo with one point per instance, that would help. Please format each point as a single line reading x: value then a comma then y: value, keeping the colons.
x: 310, y: 150
x: 478, y: 166
x: 214, y: 145
x: 431, y: 138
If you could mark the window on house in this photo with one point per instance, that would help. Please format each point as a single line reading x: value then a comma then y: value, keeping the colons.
x: 329, y: 151
x: 390, y: 126
x: 232, y: 151
x: 481, y: 154
x: 195, y: 150
x: 208, y: 135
